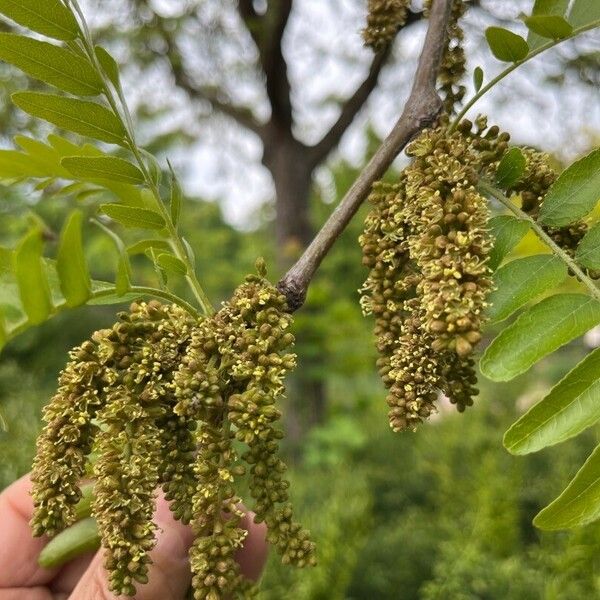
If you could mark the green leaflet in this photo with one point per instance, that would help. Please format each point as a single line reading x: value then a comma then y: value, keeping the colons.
x: 103, y: 167
x: 51, y: 64
x: 80, y: 116
x: 545, y: 7
x: 574, y: 194
x: 579, y: 503
x: 539, y: 331
x: 123, y: 276
x: 588, y: 251
x: 30, y: 275
x: 109, y: 65
x: 506, y: 45
x: 508, y: 231
x: 572, y: 406
x: 522, y: 280
x: 511, y: 168
x: 584, y: 12
x: 133, y: 217
x: 143, y: 245
x: 477, y: 78
x: 176, y: 198
x: 48, y: 17
x: 71, y: 264
x: 3, y: 333
x: 77, y: 539
x: 550, y: 27
x: 171, y: 263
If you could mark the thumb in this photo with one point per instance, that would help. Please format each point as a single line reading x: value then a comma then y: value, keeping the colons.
x: 169, y: 575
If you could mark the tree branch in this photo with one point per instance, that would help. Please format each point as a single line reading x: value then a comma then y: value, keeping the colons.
x: 421, y: 109
x: 243, y: 115
x: 354, y: 103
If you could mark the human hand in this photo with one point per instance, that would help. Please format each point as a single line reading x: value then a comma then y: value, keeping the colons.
x: 21, y: 578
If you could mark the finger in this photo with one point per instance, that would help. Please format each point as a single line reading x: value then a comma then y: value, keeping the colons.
x: 71, y: 573
x: 169, y: 576
x: 253, y: 555
x: 37, y: 593
x: 19, y: 550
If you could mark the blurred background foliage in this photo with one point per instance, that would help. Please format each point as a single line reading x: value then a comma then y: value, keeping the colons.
x: 444, y: 513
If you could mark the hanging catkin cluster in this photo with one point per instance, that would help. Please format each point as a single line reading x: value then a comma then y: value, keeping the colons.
x: 384, y: 18
x: 426, y: 243
x: 230, y: 378
x: 453, y: 65
x: 159, y: 399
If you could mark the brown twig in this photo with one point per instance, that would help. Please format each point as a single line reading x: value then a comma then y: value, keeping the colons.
x: 421, y: 109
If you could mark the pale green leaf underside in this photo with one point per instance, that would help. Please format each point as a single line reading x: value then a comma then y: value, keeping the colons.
x: 537, y: 332
x: 579, y: 503
x: 523, y: 280
x: 574, y: 194
x: 571, y: 406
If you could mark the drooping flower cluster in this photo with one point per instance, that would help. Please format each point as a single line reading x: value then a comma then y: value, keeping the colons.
x: 384, y: 19
x: 453, y: 64
x: 426, y: 243
x: 229, y: 379
x: 160, y: 399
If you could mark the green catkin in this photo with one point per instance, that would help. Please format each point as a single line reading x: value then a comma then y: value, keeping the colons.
x: 453, y: 65
x: 126, y: 479
x: 426, y: 244
x: 65, y: 441
x: 384, y: 19
x: 160, y: 399
x: 230, y: 378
